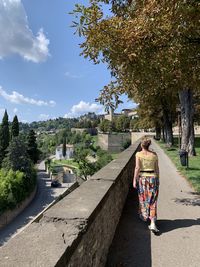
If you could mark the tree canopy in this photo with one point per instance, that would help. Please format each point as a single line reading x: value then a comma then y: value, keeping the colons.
x: 4, y: 136
x: 151, y: 48
x: 15, y: 127
x: 32, y: 146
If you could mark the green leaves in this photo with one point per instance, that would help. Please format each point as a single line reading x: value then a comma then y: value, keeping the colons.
x: 109, y: 96
x: 4, y: 136
x: 86, y: 16
x: 32, y: 146
x: 12, y: 189
x: 15, y: 127
x: 105, y: 126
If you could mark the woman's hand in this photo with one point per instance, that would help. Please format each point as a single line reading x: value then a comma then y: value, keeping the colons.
x: 134, y: 183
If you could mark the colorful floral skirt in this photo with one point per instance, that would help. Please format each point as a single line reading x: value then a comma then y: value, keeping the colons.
x: 148, y: 188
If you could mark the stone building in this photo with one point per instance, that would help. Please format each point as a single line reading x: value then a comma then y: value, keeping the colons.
x: 69, y: 152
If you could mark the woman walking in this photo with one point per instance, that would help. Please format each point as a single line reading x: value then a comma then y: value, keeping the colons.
x: 146, y: 180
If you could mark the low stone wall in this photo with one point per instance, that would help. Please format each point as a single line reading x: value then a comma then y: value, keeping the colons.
x: 78, y: 230
x: 113, y: 142
x: 196, y: 130
x: 92, y: 131
x: 9, y: 215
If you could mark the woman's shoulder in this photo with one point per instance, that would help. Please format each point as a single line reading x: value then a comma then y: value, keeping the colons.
x: 154, y: 154
x: 139, y: 154
x: 151, y: 154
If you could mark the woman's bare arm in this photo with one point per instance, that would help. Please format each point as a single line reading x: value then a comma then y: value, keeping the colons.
x: 157, y: 168
x: 136, y: 171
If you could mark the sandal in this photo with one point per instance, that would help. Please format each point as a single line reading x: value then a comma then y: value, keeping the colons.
x: 154, y: 229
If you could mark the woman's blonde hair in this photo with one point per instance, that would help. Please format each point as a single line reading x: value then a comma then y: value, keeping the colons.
x: 145, y: 142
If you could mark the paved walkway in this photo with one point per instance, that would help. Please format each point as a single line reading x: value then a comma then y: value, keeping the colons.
x: 178, y: 245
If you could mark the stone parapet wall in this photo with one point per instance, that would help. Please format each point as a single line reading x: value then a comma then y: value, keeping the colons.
x: 92, y: 131
x: 78, y: 230
x: 113, y: 142
x: 103, y: 141
x: 176, y: 130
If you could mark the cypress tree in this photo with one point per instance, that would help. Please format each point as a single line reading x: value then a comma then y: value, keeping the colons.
x: 4, y: 136
x: 1, y: 148
x: 32, y: 146
x: 15, y: 127
x: 64, y: 147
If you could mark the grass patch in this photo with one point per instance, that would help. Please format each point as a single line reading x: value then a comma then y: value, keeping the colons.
x: 193, y: 173
x: 68, y: 162
x: 95, y: 140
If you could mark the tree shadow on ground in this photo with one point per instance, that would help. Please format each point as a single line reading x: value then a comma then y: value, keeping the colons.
x: 194, y: 193
x: 171, y: 149
x: 170, y: 225
x: 131, y: 245
x: 193, y: 169
x: 188, y: 201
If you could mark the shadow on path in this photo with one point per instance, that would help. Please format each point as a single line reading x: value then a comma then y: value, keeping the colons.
x: 188, y: 201
x: 170, y: 225
x: 131, y: 246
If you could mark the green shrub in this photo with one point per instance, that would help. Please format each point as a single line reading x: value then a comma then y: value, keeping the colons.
x: 126, y: 143
x: 15, y: 186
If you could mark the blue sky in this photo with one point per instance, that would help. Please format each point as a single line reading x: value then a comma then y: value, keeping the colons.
x: 42, y: 75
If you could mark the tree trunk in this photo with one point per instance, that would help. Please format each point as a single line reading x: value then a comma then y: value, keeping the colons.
x: 191, y: 145
x: 163, y: 134
x: 168, y: 127
x: 158, y: 132
x: 187, y: 121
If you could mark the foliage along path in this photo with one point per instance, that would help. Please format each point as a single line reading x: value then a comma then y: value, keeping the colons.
x: 178, y: 220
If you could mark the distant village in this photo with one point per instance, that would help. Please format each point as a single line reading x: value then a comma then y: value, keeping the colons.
x: 110, y: 116
x: 109, y: 145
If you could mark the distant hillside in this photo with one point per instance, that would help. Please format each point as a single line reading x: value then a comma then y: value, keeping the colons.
x: 85, y: 121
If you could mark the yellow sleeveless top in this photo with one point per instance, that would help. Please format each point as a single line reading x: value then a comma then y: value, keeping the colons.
x: 147, y: 163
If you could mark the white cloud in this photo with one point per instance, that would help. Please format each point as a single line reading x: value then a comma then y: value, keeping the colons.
x: 43, y: 117
x: 82, y: 108
x: 24, y: 121
x: 17, y: 37
x: 18, y: 98
x: 52, y: 103
x: 73, y: 76
x: 15, y: 110
x: 2, y: 110
x: 85, y: 107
